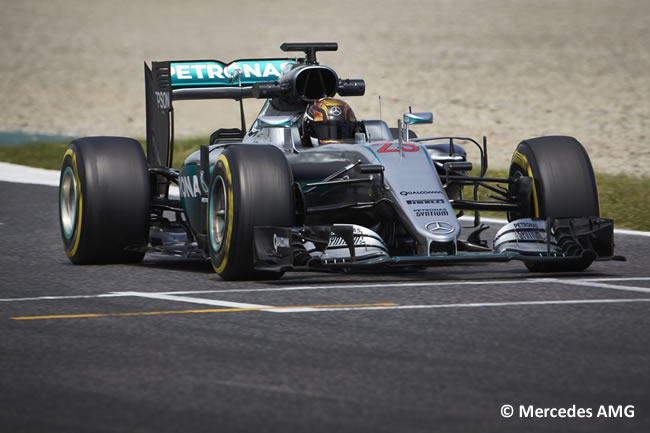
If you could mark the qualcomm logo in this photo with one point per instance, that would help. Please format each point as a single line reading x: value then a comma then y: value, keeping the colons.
x: 423, y: 192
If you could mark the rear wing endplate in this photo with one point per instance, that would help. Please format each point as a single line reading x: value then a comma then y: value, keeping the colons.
x: 170, y: 81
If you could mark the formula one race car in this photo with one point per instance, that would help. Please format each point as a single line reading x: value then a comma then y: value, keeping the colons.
x: 309, y: 186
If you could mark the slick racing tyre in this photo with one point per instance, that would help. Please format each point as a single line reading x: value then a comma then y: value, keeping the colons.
x: 251, y: 185
x: 104, y: 201
x: 563, y: 186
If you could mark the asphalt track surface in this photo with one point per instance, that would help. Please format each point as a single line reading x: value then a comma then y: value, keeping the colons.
x: 435, y: 350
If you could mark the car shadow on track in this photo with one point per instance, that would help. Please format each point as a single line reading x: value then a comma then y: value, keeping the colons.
x: 177, y: 264
x: 478, y: 271
x: 471, y: 272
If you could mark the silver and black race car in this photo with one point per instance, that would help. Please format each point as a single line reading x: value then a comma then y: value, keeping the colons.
x: 310, y: 187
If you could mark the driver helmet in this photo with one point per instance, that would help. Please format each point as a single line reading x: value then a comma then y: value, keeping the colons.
x: 329, y: 120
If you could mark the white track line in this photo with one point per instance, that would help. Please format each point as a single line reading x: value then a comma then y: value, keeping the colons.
x: 405, y: 285
x: 345, y: 286
x: 282, y: 310
x: 275, y: 289
x: 502, y: 221
x: 214, y: 302
x: 487, y: 304
x: 22, y: 174
x: 631, y: 232
x: 608, y: 279
x: 606, y: 286
x: 57, y: 298
x: 191, y: 300
x: 353, y: 286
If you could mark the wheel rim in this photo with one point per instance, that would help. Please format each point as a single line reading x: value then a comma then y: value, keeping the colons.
x: 68, y: 202
x: 218, y: 206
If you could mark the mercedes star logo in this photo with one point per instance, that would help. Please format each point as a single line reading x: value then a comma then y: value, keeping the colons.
x: 439, y: 227
x: 335, y: 111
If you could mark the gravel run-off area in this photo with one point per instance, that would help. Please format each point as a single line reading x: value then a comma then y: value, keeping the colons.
x: 503, y: 68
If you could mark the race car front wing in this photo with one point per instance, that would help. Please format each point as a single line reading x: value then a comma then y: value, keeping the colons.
x: 563, y: 241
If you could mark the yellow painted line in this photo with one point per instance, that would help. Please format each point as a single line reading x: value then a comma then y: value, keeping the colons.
x: 209, y: 310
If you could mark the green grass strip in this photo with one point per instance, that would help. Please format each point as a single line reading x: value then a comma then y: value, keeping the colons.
x: 626, y: 199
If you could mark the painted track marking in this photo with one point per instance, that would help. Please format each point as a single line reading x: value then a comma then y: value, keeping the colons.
x: 606, y: 286
x: 495, y: 304
x: 502, y: 222
x: 345, y: 286
x: 215, y: 302
x: 333, y: 308
x: 191, y: 300
x: 287, y: 309
x: 64, y: 297
x: 406, y: 285
x: 230, y: 306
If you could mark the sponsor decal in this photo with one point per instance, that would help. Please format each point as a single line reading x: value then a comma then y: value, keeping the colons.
x: 279, y: 242
x: 338, y: 241
x: 520, y: 160
x: 527, y: 225
x: 426, y: 201
x: 431, y: 212
x: 215, y: 73
x: 439, y: 227
x: 335, y: 111
x: 422, y: 192
x: 188, y: 186
x: 162, y: 99
x: 529, y: 235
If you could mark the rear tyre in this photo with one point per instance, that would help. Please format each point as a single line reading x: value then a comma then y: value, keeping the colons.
x: 250, y: 186
x: 564, y: 185
x: 104, y: 201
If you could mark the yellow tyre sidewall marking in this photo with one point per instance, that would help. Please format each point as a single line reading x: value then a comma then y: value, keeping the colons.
x: 521, y: 160
x: 231, y: 210
x: 77, y: 232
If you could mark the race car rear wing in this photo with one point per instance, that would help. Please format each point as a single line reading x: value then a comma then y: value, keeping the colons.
x: 170, y: 81
x: 296, y: 81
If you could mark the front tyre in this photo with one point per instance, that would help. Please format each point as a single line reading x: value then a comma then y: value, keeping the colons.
x: 564, y: 185
x: 104, y: 201
x: 251, y: 185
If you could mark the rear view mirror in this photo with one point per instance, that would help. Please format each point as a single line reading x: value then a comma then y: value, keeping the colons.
x: 409, y: 119
x: 415, y: 118
x: 275, y: 121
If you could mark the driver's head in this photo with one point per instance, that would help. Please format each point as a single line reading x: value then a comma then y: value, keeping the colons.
x: 329, y: 120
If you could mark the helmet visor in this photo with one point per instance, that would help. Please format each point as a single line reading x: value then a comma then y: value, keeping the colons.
x: 331, y: 130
